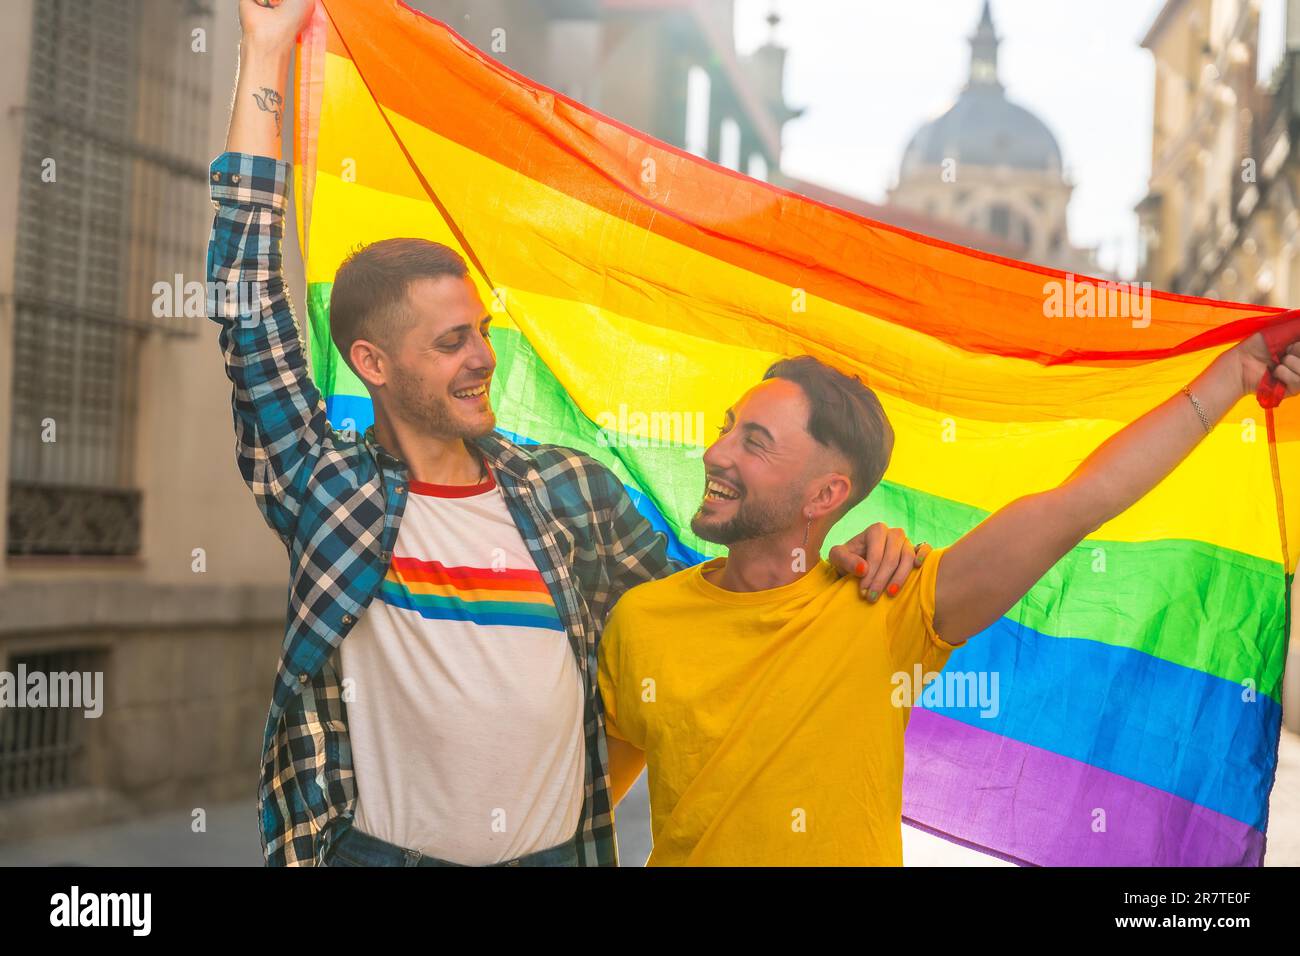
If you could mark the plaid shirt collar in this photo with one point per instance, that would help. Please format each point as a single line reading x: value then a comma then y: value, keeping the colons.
x: 499, y: 453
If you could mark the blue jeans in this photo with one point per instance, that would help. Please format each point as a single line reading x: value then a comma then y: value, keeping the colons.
x: 354, y: 848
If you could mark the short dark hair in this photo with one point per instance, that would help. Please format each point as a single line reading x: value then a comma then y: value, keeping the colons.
x: 845, y: 415
x: 370, y: 288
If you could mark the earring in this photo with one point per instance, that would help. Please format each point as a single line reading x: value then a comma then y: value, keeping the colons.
x: 806, y: 528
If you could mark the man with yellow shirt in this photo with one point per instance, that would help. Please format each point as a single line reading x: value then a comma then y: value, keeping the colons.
x: 761, y: 690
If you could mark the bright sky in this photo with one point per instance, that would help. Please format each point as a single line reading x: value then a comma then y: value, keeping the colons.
x: 869, y: 73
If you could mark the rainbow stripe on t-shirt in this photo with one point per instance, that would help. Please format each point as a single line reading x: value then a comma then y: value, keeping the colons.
x: 486, y: 596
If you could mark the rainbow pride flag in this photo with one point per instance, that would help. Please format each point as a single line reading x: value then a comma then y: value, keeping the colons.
x: 638, y: 290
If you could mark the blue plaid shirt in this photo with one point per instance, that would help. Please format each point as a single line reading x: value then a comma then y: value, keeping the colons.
x: 336, y: 503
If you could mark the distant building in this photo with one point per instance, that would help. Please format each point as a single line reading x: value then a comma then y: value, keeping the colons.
x: 670, y: 68
x: 666, y: 67
x: 1222, y: 211
x: 132, y: 548
x: 992, y: 167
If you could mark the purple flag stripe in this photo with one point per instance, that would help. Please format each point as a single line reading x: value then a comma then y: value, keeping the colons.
x: 1029, y: 805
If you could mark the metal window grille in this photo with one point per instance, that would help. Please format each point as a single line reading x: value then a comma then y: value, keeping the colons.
x: 119, y: 100
x: 43, y: 749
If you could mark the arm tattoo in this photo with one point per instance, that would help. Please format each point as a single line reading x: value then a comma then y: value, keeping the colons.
x: 270, y: 101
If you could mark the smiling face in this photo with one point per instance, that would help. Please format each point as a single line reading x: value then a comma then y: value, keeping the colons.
x: 441, y: 366
x: 765, y: 469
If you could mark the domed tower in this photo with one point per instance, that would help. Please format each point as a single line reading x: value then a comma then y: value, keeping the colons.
x: 990, y: 165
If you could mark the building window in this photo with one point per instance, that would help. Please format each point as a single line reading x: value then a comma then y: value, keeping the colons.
x: 1000, y: 220
x: 1272, y: 39
x: 106, y: 209
x: 698, y: 87
x: 729, y: 143
x: 44, y: 748
x: 757, y: 166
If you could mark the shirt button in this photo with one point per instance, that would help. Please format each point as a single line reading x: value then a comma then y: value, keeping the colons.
x: 399, y: 489
x: 385, y: 555
x: 347, y: 618
x: 303, y: 678
x: 234, y: 178
x: 216, y: 177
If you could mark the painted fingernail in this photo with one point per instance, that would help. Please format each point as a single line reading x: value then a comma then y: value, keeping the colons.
x: 873, y: 595
x: 861, y: 569
x: 892, y: 589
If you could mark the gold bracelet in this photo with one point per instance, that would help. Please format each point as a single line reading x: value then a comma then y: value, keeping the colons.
x: 1200, y: 412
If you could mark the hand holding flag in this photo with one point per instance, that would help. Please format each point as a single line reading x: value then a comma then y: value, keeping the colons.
x: 1271, y: 358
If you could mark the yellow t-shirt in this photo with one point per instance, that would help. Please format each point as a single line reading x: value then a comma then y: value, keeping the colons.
x: 769, y: 719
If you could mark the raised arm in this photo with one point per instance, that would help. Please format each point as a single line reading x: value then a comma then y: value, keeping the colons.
x: 279, y: 414
x: 265, y: 54
x: 996, y: 564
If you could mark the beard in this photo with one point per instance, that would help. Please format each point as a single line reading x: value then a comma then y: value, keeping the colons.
x: 435, y: 415
x: 753, y: 519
